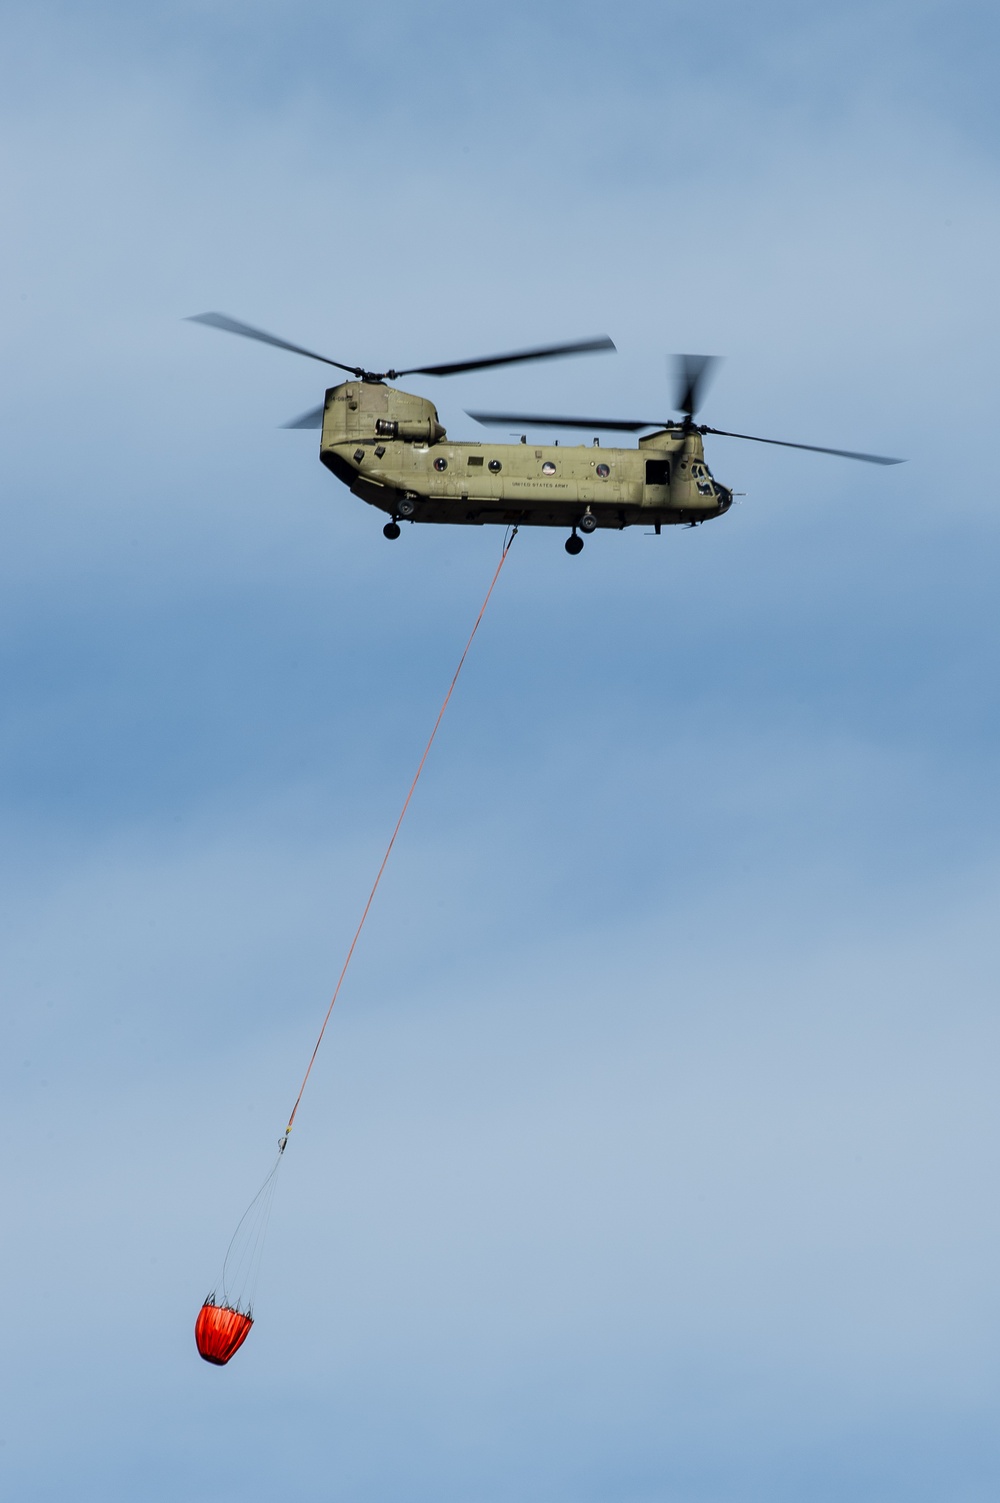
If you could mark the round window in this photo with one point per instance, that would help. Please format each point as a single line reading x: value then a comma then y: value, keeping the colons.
x: 548, y: 468
x: 603, y: 471
x: 495, y: 466
x: 440, y: 464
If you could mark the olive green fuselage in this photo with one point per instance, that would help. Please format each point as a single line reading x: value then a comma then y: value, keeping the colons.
x: 390, y: 448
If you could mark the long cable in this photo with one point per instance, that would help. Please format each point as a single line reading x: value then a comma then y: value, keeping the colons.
x: 388, y: 851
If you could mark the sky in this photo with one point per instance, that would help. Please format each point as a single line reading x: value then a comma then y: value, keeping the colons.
x: 651, y: 1153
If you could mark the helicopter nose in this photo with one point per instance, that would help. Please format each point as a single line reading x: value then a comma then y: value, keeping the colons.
x: 725, y: 497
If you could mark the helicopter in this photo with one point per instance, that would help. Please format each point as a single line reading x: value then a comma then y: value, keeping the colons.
x: 389, y: 448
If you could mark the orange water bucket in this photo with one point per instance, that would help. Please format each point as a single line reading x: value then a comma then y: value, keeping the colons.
x: 220, y: 1331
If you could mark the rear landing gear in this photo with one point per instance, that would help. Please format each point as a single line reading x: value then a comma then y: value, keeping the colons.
x: 391, y: 530
x: 574, y: 544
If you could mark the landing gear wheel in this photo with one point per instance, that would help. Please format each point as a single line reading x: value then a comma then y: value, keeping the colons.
x: 406, y: 507
x: 574, y: 544
x: 588, y: 522
x: 391, y: 530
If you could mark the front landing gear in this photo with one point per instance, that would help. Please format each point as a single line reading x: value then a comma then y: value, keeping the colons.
x: 391, y: 530
x: 574, y: 543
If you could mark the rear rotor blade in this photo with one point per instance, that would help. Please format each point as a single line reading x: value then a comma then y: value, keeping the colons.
x: 813, y: 448
x: 692, y: 374
x: 544, y: 352
x: 520, y: 419
x: 247, y: 331
x: 311, y: 419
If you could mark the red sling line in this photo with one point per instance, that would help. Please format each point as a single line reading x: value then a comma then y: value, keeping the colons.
x: 392, y: 842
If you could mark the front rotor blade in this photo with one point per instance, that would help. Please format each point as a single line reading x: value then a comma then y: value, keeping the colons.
x: 247, y: 331
x: 520, y: 419
x: 692, y: 373
x: 311, y: 419
x: 544, y: 352
x: 813, y: 448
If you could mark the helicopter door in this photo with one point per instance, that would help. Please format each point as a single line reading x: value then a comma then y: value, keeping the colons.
x: 657, y: 488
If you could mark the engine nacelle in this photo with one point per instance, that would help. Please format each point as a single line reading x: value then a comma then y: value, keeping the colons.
x: 427, y: 431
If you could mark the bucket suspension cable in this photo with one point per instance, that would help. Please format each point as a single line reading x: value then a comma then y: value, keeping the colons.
x: 388, y: 851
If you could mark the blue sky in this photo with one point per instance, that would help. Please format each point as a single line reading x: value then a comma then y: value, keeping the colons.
x: 651, y: 1154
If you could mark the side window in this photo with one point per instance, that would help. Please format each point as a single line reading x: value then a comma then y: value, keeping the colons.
x: 657, y: 472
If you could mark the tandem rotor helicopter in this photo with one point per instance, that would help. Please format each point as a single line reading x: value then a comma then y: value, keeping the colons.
x: 390, y: 449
